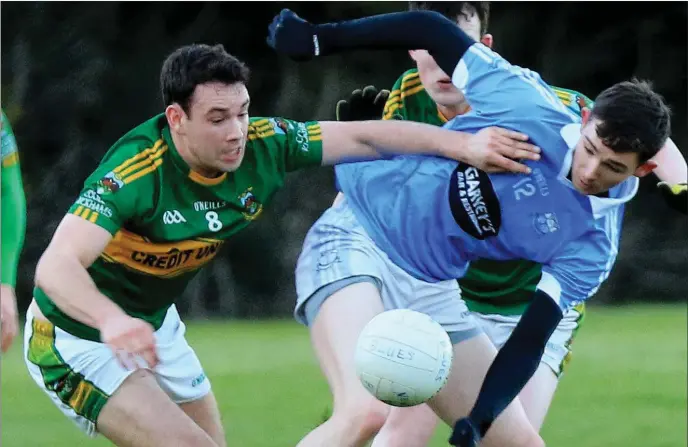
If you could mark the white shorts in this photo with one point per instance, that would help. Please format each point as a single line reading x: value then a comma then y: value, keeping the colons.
x: 338, y: 252
x: 80, y: 375
x: 558, y: 349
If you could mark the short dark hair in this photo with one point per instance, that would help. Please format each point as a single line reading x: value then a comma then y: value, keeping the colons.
x: 194, y: 65
x: 452, y: 10
x: 632, y: 118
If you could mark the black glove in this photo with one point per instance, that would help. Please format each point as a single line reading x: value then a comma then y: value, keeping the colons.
x: 289, y: 34
x: 465, y: 434
x: 676, y: 196
x: 366, y: 104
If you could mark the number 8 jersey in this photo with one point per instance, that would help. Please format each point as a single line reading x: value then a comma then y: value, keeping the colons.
x: 168, y: 221
x: 433, y: 216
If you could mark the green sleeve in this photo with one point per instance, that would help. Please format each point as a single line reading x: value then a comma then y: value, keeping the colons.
x: 13, y: 206
x: 122, y: 187
x: 291, y: 144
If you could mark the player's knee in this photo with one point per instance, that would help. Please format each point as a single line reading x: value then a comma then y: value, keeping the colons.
x: 533, y: 441
x: 527, y: 438
x: 411, y: 426
x: 364, y: 419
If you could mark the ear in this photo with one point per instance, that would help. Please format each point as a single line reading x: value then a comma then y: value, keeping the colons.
x: 645, y: 168
x: 487, y: 40
x: 175, y: 117
x: 585, y: 115
x: 412, y: 55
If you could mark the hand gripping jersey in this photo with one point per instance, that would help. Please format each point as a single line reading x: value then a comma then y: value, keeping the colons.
x: 504, y: 287
x: 168, y: 221
x: 433, y: 216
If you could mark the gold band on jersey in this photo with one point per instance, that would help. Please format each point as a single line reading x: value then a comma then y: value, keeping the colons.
x: 150, y: 162
x: 314, y: 132
x: 260, y: 129
x: 86, y: 213
x: 163, y: 259
x: 410, y: 85
x: 564, y: 96
x: 142, y: 163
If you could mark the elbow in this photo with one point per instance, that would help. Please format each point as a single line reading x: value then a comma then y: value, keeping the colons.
x: 44, y: 271
x: 51, y: 270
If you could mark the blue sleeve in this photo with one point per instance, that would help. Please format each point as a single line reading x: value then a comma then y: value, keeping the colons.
x: 516, y: 361
x: 578, y: 271
x: 493, y: 86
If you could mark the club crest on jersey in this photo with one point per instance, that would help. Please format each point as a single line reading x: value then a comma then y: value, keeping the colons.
x: 252, y: 208
x: 110, y: 183
x: 546, y: 223
x: 279, y: 125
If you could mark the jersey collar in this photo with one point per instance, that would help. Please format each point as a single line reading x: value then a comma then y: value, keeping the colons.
x: 618, y: 195
x: 184, y: 167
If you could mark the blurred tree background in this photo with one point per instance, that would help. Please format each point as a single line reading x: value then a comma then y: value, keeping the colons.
x: 77, y: 76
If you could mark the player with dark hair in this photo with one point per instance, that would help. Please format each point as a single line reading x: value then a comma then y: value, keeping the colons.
x: 496, y: 292
x: 103, y: 337
x: 433, y: 217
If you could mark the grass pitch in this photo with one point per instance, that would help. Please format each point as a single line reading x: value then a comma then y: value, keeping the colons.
x: 626, y: 385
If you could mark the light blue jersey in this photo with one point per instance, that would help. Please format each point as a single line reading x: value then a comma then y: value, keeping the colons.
x: 432, y: 216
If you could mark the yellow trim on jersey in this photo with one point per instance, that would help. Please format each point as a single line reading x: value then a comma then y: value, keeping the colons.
x: 207, y: 181
x: 143, y: 154
x: 410, y: 85
x: 441, y: 116
x: 565, y: 97
x: 314, y: 132
x: 260, y: 122
x: 162, y: 259
x: 78, y: 210
x: 10, y: 160
x: 146, y: 166
x: 405, y: 86
x: 141, y: 164
x: 262, y: 128
x: 86, y: 213
x: 254, y: 135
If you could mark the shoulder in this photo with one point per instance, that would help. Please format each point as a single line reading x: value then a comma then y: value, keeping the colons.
x: 408, y: 84
x: 572, y: 99
x: 136, y: 155
x: 408, y: 93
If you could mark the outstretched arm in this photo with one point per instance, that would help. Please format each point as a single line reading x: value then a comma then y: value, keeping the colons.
x: 515, y: 364
x: 572, y: 276
x: 411, y: 30
x: 486, y: 79
x: 365, y: 140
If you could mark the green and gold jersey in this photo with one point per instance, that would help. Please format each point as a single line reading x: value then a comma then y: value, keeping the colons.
x: 501, y: 287
x: 168, y: 221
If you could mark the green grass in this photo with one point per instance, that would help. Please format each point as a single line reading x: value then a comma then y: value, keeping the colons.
x: 625, y: 387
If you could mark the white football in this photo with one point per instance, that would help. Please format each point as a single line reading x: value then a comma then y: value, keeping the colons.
x: 403, y: 357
